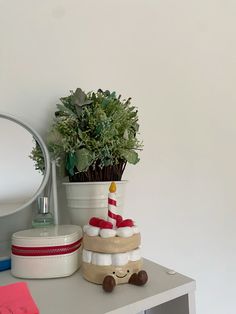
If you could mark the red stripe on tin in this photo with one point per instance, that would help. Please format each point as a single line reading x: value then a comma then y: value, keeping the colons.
x: 46, y: 250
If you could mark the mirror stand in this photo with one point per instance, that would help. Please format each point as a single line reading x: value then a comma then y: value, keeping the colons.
x: 53, y: 192
x: 17, y: 198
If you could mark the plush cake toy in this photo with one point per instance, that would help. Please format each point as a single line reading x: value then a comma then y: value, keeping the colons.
x: 111, y: 253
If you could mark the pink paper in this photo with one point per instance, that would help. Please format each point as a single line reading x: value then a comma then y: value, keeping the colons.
x: 16, y: 299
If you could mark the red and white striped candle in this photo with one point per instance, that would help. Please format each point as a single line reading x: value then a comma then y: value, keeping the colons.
x: 112, y: 209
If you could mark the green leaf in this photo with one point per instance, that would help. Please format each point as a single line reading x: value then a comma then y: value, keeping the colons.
x: 136, y: 127
x: 113, y: 95
x: 126, y: 134
x: 84, y: 159
x: 54, y: 137
x: 66, y: 110
x: 88, y: 102
x: 79, y: 97
x: 71, y: 160
x: 80, y: 133
x: 107, y: 93
x: 131, y: 156
x: 105, y: 102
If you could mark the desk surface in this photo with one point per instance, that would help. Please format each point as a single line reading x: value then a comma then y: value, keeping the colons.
x: 74, y: 295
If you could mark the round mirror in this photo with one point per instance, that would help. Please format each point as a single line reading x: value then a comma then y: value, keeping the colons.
x: 20, y: 182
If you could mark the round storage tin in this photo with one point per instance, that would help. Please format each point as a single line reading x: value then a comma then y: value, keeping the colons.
x: 48, y: 252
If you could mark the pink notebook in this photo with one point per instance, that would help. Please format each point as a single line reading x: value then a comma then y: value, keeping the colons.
x: 16, y: 299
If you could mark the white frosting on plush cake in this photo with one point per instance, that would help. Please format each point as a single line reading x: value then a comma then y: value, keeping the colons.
x: 116, y: 259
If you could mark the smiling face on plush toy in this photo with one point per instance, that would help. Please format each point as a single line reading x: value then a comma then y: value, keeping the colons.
x: 136, y: 278
x: 121, y: 273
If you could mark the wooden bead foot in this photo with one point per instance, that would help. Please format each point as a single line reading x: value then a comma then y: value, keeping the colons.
x: 108, y: 283
x: 139, y: 279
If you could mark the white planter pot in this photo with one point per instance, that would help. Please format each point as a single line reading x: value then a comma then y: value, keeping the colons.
x: 89, y: 199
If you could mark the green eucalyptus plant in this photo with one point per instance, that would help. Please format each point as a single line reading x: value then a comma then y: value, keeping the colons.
x: 37, y: 156
x: 94, y: 135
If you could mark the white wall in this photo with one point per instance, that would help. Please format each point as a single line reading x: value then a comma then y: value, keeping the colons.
x: 177, y: 60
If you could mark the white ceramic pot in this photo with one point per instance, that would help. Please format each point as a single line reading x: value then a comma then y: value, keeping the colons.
x: 88, y: 199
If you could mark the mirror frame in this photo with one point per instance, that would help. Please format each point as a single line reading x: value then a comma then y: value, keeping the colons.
x: 46, y: 156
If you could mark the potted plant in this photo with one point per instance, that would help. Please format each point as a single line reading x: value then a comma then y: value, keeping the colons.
x: 93, y: 137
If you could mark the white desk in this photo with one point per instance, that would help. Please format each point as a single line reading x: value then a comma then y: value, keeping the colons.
x: 163, y: 294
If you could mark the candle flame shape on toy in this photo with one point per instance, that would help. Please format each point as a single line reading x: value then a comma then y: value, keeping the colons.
x: 112, y: 209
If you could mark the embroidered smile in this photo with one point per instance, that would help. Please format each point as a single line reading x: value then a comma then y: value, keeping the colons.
x: 121, y: 276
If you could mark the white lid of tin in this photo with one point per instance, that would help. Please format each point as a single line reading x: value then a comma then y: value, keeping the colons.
x: 48, y: 236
